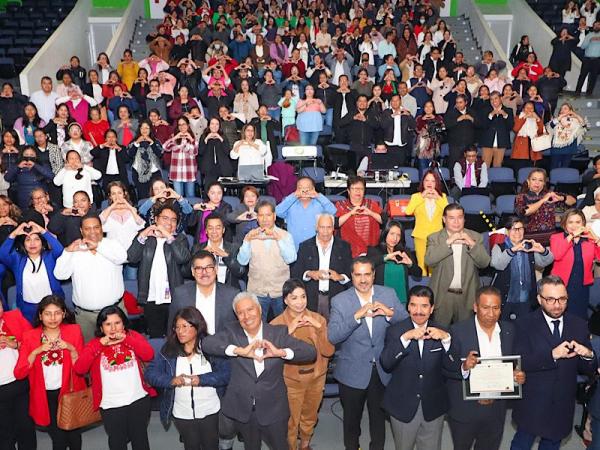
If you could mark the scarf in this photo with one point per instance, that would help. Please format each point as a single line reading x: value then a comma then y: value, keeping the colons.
x: 520, y: 276
x: 567, y: 132
x: 529, y: 128
x: 144, y: 161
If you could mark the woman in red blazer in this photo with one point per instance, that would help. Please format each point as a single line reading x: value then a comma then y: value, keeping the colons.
x: 16, y: 427
x: 574, y: 253
x: 46, y: 357
x: 114, y: 360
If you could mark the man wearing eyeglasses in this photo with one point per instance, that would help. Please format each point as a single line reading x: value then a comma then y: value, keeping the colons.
x: 161, y: 254
x: 555, y: 347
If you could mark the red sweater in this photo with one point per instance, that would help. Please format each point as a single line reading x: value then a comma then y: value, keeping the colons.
x: 94, y: 132
x: 564, y: 258
x: 38, y: 400
x: 89, y: 361
x: 15, y: 324
x: 360, y: 231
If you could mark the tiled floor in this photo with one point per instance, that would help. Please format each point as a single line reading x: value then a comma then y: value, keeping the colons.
x: 327, y: 436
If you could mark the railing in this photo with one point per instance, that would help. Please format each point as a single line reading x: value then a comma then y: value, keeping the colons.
x: 122, y: 36
x: 70, y: 38
x: 486, y: 38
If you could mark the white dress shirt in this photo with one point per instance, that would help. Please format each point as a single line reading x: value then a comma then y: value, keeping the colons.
x: 488, y: 347
x: 45, y: 104
x: 206, y: 305
x: 194, y: 402
x: 457, y: 250
x: 421, y: 342
x: 159, y: 291
x: 368, y: 320
x: 397, y: 131
x: 324, y: 261
x: 549, y: 321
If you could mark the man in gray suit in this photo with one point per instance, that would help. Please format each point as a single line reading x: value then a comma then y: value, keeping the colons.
x: 212, y: 299
x: 256, y: 398
x: 358, y: 322
x: 455, y: 256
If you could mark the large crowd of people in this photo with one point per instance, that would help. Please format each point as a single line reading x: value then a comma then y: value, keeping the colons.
x: 114, y: 175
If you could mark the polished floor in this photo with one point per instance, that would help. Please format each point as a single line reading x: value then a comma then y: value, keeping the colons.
x: 328, y: 435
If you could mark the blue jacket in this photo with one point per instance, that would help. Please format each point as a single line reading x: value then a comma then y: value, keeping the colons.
x: 16, y: 261
x: 161, y: 371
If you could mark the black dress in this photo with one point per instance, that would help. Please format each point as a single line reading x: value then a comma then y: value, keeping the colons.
x: 214, y: 160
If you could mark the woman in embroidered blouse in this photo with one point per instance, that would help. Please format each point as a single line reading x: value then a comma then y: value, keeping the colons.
x: 568, y: 129
x: 245, y: 103
x: 77, y: 143
x: 192, y: 383
x: 250, y: 150
x: 120, y: 220
x: 427, y: 206
x: 114, y: 361
x: 145, y: 153
x: 46, y: 358
x: 538, y: 205
x: 17, y: 426
x: 184, y: 166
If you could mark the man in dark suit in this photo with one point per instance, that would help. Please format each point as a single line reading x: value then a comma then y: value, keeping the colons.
x: 323, y: 264
x: 363, y: 124
x: 359, y: 319
x: 432, y: 63
x: 343, y: 104
x: 460, y: 128
x: 211, y: 298
x: 481, y: 422
x: 555, y: 346
x: 256, y: 398
x: 416, y: 397
x: 398, y: 131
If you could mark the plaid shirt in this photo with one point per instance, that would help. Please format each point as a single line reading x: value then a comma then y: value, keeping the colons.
x: 184, y: 166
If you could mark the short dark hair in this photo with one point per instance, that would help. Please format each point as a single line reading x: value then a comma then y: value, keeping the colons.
x: 553, y: 280
x: 355, y: 180
x: 173, y: 348
x: 202, y: 254
x: 103, y: 315
x: 512, y: 220
x: 596, y: 159
x: 487, y: 290
x: 214, y: 216
x: 265, y: 203
x: 89, y: 216
x: 291, y: 285
x: 421, y: 291
x: 453, y: 207
x: 363, y: 260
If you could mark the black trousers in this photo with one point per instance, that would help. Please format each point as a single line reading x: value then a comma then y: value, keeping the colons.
x: 399, y: 155
x: 199, y: 434
x: 253, y: 433
x: 485, y: 432
x: 16, y: 427
x: 353, y: 403
x: 156, y: 317
x: 61, y: 439
x: 591, y: 67
x: 128, y: 424
x: 341, y: 134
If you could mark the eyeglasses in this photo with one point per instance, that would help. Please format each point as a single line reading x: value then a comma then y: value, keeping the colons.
x: 168, y: 219
x: 517, y: 228
x: 204, y: 269
x: 552, y: 300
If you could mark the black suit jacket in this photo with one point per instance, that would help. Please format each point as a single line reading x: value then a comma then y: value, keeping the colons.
x: 266, y: 394
x: 100, y: 161
x: 185, y: 295
x: 416, y: 378
x: 235, y: 271
x: 336, y: 104
x: 308, y: 259
x: 496, y: 126
x: 430, y: 70
x: 548, y: 402
x: 407, y: 127
x: 464, y: 340
x: 460, y: 133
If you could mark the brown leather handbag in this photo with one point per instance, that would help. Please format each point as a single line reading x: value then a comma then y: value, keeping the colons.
x: 76, y: 409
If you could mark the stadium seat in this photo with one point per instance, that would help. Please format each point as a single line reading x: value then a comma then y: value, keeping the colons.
x: 376, y: 198
x: 268, y: 198
x: 475, y: 207
x: 523, y: 174
x: 335, y: 198
x: 505, y: 206
x: 566, y: 180
x: 233, y: 201
x: 7, y: 68
x: 316, y: 173
x: 502, y: 181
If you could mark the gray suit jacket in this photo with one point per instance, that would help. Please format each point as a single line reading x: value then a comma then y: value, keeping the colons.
x: 356, y: 348
x: 185, y: 295
x: 267, y: 393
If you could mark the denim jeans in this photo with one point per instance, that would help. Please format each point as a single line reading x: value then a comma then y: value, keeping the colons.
x: 422, y: 165
x: 309, y: 137
x: 185, y: 188
x: 275, y: 303
x: 524, y: 441
x: 275, y: 113
x: 595, y: 445
x: 557, y: 161
x: 328, y: 117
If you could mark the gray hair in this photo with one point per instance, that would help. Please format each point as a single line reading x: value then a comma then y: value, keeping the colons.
x: 329, y: 216
x: 243, y: 296
x: 552, y: 280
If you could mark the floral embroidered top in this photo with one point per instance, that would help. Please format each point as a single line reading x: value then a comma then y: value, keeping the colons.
x: 544, y: 219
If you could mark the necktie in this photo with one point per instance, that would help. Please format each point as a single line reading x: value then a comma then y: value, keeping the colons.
x: 556, y: 331
x: 344, y: 106
x: 468, y: 176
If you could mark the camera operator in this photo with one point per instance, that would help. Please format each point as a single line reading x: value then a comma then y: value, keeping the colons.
x: 430, y: 130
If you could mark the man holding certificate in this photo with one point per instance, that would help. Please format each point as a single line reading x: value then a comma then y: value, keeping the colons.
x: 416, y: 397
x: 555, y: 347
x: 477, y: 410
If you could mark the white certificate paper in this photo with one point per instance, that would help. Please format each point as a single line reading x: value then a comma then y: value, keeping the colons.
x: 492, y: 376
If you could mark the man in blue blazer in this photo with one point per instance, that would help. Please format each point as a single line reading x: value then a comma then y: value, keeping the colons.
x: 555, y: 347
x: 358, y: 322
x: 414, y: 353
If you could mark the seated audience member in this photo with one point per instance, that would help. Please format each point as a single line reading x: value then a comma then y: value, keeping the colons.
x: 27, y: 175
x: 161, y: 194
x: 30, y: 252
x: 229, y: 271
x: 393, y: 262
x: 46, y: 359
x: 215, y: 205
x: 250, y: 150
x: 244, y: 216
x: 114, y: 359
x: 75, y: 177
x: 267, y: 251
x: 359, y: 217
x: 256, y: 401
x: 94, y: 264
x: 301, y: 209
x: 161, y: 256
x: 66, y: 223
x: 591, y: 181
x: 192, y: 383
x: 470, y: 174
x: 323, y: 263
x: 514, y: 261
x: 304, y: 383
x: 111, y: 160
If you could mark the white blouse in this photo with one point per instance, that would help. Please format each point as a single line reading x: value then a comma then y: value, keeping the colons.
x: 121, y: 383
x: 36, y: 284
x: 194, y: 402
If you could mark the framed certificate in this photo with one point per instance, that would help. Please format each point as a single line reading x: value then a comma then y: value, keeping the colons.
x: 493, y: 379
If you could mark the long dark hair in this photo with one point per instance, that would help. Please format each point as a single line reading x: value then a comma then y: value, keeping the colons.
x: 103, y: 315
x: 36, y: 119
x: 55, y: 300
x: 383, y: 236
x: 173, y: 348
x: 19, y: 247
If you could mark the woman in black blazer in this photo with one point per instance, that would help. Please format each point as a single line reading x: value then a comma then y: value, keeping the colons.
x: 393, y: 262
x: 102, y: 155
x: 497, y: 122
x: 213, y: 154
